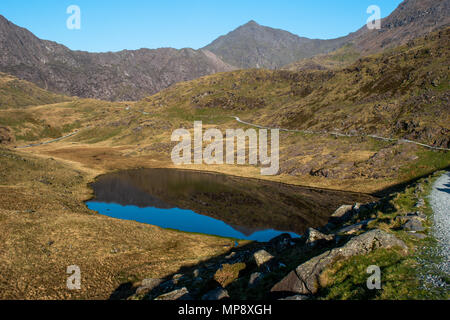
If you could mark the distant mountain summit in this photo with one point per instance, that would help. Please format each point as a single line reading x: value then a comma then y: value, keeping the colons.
x: 256, y: 46
x: 124, y: 75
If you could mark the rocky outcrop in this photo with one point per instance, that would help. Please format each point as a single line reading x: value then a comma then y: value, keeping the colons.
x: 305, y: 279
x: 6, y: 136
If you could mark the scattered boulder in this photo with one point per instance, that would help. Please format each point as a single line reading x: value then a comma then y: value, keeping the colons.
x: 231, y: 255
x: 413, y: 225
x: 342, y: 212
x: 281, y: 242
x: 420, y: 236
x: 216, y: 294
x: 261, y: 257
x: 355, y: 227
x: 314, y: 237
x: 177, y: 278
x: 305, y: 279
x: 255, y: 278
x: 412, y: 222
x: 420, y: 203
x: 298, y: 297
x: 228, y: 273
x: 148, y: 285
x: 418, y: 214
x: 179, y: 294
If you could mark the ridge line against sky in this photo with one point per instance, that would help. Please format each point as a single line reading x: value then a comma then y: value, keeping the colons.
x: 133, y: 24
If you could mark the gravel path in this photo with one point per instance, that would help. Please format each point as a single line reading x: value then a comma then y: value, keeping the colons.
x: 337, y: 134
x: 440, y: 203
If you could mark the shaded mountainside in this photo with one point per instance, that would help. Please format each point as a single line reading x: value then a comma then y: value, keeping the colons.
x: 125, y: 75
x: 256, y: 46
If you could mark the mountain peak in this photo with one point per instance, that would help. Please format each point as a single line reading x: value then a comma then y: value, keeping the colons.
x: 252, y: 23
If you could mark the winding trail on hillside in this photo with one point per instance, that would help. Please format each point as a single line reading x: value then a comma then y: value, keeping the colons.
x: 48, y: 142
x: 337, y: 134
x: 440, y: 203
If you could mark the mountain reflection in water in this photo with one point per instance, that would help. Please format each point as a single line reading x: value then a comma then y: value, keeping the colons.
x: 215, y: 204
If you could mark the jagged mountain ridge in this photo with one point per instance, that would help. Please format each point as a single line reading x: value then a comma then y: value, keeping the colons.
x: 124, y: 75
x: 132, y: 75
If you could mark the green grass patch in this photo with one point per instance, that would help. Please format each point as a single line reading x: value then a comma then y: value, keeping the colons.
x: 398, y: 277
x: 429, y: 161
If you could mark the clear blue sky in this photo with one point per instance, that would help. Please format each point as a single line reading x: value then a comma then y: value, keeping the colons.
x: 113, y: 25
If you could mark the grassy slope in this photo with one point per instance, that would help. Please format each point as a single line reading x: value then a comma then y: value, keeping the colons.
x: 334, y: 60
x: 15, y: 93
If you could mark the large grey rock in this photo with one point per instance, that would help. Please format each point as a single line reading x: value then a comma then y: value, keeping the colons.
x: 179, y: 294
x: 216, y: 294
x: 261, y: 257
x: 305, y: 279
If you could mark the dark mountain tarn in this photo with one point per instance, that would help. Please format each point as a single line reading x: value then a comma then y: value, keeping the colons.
x: 216, y: 204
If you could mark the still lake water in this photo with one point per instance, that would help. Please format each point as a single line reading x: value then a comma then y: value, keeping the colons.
x: 215, y: 204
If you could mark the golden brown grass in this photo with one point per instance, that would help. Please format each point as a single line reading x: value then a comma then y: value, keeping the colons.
x: 45, y: 227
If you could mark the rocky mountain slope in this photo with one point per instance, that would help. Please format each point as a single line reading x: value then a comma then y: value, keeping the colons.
x: 412, y: 19
x: 125, y: 75
x: 256, y: 46
x: 132, y: 75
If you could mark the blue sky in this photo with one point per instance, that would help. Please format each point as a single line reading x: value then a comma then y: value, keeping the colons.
x: 113, y: 25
